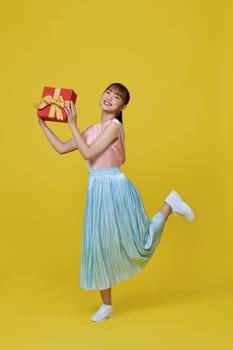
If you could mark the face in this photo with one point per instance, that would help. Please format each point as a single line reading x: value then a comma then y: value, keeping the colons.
x: 112, y: 100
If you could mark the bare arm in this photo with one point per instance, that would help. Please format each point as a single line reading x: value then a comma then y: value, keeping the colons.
x: 107, y: 137
x: 58, y: 145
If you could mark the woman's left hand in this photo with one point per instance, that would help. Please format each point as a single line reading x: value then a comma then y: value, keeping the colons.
x: 71, y: 114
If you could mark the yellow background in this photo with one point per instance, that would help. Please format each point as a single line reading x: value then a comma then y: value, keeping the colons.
x: 176, y: 59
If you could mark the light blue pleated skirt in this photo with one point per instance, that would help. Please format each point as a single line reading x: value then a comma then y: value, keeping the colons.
x: 118, y: 237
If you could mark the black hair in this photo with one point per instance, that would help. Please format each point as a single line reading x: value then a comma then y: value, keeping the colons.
x: 126, y: 96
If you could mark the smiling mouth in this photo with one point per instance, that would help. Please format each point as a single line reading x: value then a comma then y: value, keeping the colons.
x: 107, y: 103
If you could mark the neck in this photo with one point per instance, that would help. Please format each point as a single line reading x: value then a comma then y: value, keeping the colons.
x: 107, y: 116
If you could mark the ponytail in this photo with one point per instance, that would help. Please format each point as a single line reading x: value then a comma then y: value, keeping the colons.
x: 119, y: 117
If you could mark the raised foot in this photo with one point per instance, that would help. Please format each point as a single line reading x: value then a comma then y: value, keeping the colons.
x: 178, y: 206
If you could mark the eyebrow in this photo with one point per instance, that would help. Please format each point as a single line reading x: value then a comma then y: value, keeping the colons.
x: 117, y: 93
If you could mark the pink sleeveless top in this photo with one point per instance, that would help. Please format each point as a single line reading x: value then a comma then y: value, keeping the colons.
x: 114, y: 155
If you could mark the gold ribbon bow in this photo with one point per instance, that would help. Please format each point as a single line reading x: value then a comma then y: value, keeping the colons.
x: 56, y: 102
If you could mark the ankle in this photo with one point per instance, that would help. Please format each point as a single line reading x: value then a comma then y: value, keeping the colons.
x: 166, y: 210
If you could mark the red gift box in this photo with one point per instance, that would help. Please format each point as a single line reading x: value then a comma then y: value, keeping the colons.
x: 52, y: 103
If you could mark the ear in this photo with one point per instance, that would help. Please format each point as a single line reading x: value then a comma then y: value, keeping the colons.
x: 124, y: 107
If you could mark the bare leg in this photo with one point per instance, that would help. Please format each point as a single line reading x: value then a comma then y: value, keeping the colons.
x: 106, y: 296
x: 105, y: 311
x: 166, y: 210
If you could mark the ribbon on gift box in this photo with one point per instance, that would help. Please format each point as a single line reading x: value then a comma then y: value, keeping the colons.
x: 56, y: 102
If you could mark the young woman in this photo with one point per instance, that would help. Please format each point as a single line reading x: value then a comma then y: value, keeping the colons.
x: 118, y: 236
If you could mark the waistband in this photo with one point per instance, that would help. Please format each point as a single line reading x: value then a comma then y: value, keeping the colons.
x: 104, y: 171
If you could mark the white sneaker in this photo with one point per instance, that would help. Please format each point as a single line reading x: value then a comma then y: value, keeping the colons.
x: 104, y: 312
x: 179, y: 206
